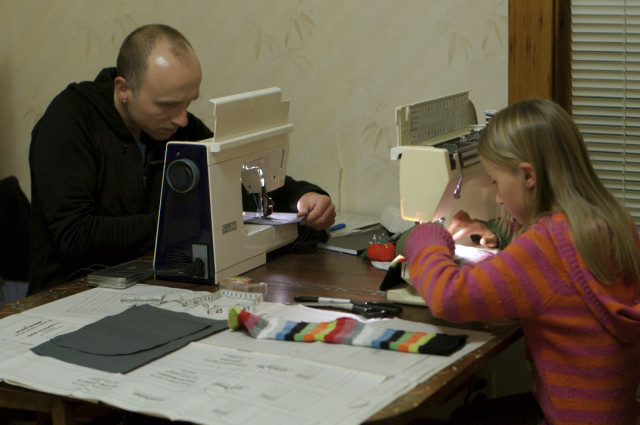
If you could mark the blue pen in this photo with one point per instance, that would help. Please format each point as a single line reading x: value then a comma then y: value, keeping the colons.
x: 337, y: 227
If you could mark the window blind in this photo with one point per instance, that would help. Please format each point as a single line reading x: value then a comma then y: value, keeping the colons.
x: 605, y: 67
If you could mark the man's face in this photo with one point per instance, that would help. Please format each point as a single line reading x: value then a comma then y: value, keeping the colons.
x: 159, y: 107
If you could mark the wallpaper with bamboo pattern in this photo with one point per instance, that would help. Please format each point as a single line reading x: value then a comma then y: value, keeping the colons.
x: 344, y: 65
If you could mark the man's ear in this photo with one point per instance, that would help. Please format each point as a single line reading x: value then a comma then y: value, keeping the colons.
x: 528, y: 173
x: 122, y: 89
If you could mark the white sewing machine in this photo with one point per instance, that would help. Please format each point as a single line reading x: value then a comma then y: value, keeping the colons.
x: 440, y: 171
x: 203, y: 233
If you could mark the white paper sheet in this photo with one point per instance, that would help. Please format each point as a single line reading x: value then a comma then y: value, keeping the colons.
x: 229, y: 378
x: 21, y: 332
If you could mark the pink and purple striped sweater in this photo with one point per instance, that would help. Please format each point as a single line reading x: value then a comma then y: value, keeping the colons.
x: 582, y: 337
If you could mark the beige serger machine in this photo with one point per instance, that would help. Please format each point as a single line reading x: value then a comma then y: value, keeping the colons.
x: 440, y: 171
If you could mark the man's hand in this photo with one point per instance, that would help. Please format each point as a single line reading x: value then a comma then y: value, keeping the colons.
x: 463, y: 225
x: 321, y: 213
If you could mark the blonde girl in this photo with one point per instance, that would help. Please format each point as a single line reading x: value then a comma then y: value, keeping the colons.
x: 570, y: 274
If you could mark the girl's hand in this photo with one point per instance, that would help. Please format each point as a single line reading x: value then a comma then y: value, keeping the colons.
x: 463, y: 225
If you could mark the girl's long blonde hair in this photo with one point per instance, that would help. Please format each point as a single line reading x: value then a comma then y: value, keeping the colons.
x: 540, y: 132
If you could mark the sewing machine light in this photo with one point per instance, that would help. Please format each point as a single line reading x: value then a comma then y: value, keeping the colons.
x: 252, y: 178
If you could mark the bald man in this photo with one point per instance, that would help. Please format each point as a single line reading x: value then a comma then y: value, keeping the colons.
x: 97, y: 156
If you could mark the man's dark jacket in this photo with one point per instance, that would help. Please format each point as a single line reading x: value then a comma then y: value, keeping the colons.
x: 94, y: 197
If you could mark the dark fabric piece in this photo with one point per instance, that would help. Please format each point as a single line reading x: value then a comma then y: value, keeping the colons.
x: 94, y: 200
x: 393, y: 277
x: 518, y: 409
x: 128, y: 340
x: 444, y: 345
x: 14, y: 231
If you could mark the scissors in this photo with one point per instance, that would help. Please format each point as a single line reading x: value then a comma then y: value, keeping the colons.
x: 367, y: 309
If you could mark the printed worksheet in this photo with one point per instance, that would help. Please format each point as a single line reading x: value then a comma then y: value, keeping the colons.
x: 228, y: 378
x: 214, y: 385
x: 20, y: 333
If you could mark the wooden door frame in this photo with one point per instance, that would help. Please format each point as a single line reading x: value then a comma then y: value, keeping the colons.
x: 539, y: 50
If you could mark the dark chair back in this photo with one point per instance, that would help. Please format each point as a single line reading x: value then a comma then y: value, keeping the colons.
x: 15, y: 212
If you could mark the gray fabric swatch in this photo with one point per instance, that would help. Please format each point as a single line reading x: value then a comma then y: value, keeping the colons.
x: 125, y: 341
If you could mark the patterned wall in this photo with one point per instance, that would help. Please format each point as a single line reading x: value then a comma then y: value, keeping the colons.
x: 344, y: 65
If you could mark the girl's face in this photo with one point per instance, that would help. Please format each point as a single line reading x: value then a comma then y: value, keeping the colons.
x: 514, y: 189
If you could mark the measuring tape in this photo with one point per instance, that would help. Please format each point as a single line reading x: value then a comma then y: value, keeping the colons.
x: 218, y: 302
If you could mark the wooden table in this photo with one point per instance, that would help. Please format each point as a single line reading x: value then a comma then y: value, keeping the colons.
x: 316, y: 273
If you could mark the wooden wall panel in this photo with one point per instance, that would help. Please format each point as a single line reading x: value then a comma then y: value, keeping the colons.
x: 539, y: 41
x: 530, y: 49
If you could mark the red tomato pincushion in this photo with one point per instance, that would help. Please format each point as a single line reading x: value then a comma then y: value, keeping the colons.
x: 381, y: 251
